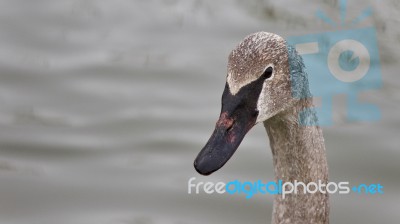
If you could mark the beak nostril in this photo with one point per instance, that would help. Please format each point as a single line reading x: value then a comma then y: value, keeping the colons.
x: 225, y: 121
x: 229, y: 127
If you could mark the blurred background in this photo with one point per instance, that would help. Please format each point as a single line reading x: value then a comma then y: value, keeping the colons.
x: 105, y: 104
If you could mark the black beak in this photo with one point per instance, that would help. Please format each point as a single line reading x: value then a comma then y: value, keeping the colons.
x: 238, y: 116
x: 226, y: 138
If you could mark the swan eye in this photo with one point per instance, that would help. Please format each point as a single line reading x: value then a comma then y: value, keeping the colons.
x: 268, y: 72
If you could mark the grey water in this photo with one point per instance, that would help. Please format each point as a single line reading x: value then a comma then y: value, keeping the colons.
x: 105, y: 104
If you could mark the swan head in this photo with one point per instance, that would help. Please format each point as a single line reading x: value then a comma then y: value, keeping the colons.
x: 264, y: 76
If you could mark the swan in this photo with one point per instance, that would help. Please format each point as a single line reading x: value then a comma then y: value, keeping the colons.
x: 266, y: 82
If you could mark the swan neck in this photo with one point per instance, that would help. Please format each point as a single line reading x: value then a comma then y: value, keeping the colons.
x: 298, y: 155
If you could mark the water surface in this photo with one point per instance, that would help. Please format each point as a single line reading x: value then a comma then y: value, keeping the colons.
x: 104, y: 106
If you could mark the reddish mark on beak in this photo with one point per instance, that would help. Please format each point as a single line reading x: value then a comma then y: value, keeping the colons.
x: 231, y: 138
x: 225, y: 121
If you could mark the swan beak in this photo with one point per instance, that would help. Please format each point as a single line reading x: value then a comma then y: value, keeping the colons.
x: 226, y: 138
x: 238, y: 115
